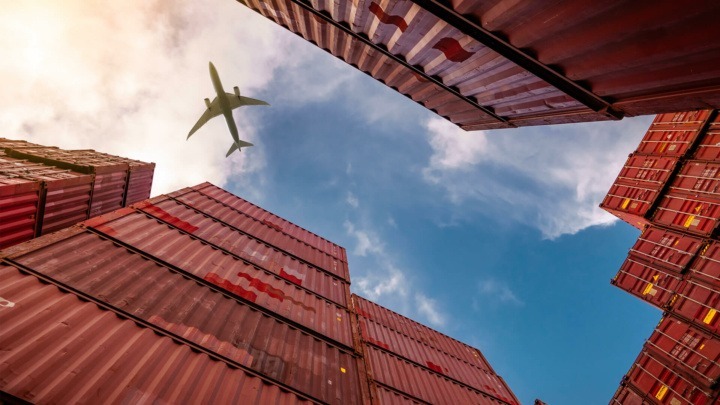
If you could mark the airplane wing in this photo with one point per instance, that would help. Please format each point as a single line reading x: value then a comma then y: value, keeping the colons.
x: 236, y: 101
x: 211, y: 112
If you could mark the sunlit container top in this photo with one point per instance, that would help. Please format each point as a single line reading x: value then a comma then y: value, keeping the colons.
x: 272, y: 220
x: 58, y: 348
x: 502, y: 64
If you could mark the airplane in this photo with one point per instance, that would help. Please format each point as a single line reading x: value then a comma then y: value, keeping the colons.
x: 223, y: 104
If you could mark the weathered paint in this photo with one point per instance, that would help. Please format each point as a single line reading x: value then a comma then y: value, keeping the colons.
x: 57, y: 348
x: 653, y: 284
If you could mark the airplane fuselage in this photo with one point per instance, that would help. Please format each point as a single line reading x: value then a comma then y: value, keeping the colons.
x: 224, y: 105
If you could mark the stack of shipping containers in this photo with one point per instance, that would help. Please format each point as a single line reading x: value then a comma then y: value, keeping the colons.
x: 670, y: 189
x: 200, y: 296
x: 44, y: 189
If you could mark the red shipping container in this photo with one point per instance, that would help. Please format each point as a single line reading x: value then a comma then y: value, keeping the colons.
x: 700, y: 304
x: 19, y: 199
x: 709, y: 146
x: 663, y: 385
x: 673, y: 134
x: 654, y: 285
x: 664, y: 248
x: 632, y: 204
x: 687, y: 350
x: 698, y: 178
x: 424, y: 385
x: 419, y: 332
x: 692, y: 214
x: 626, y: 396
x: 650, y: 171
x: 424, y: 355
x: 264, y: 232
x: 706, y: 266
x: 272, y: 220
x: 155, y: 239
x: 254, y: 251
x: 58, y: 348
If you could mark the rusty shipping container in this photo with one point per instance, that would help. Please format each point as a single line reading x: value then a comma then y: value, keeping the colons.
x: 200, y: 226
x: 663, y: 385
x: 688, y: 350
x: 694, y: 214
x: 272, y: 220
x: 262, y: 231
x: 652, y: 284
x: 708, y: 148
x: 419, y: 332
x: 499, y: 64
x: 668, y: 249
x: 148, y: 237
x: 60, y: 347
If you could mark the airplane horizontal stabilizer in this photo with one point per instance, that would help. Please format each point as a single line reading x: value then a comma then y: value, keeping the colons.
x: 236, y: 146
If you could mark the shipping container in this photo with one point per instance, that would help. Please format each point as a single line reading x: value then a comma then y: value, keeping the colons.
x: 427, y: 386
x: 650, y: 171
x: 264, y: 232
x: 131, y: 231
x: 688, y: 350
x: 419, y: 332
x: 19, y: 200
x: 500, y: 64
x: 698, y: 178
x: 698, y: 303
x: 706, y: 266
x: 663, y: 385
x: 693, y: 214
x: 231, y: 240
x: 652, y: 284
x: 632, y: 204
x: 709, y: 145
x: 421, y: 354
x: 668, y: 249
x: 272, y: 220
x: 674, y: 134
x: 56, y: 347
x: 627, y: 396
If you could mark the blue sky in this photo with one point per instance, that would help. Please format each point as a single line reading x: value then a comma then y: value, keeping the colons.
x: 492, y: 237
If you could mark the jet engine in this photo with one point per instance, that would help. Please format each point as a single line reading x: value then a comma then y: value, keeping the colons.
x: 237, y: 91
x: 207, y: 103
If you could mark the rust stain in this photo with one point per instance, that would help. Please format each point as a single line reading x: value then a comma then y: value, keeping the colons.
x: 272, y: 291
x: 453, y: 50
x: 385, y: 18
x: 170, y: 219
x: 291, y: 275
x: 233, y: 288
x: 272, y: 225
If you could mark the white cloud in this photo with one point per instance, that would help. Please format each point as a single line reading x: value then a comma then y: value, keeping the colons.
x: 352, y: 200
x: 497, y: 291
x: 367, y: 241
x: 552, y: 178
x: 129, y: 77
x: 428, y: 307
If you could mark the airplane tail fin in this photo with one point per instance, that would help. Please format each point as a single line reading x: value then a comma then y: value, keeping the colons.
x: 236, y: 146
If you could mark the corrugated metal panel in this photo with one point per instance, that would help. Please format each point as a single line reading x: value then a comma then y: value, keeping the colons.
x: 272, y: 220
x: 698, y: 177
x: 674, y: 134
x: 632, y: 204
x: 19, y: 200
x: 385, y: 395
x: 699, y: 303
x: 688, y: 350
x: 668, y: 249
x: 709, y: 145
x: 266, y: 233
x: 693, y: 214
x: 419, y: 332
x: 626, y: 396
x: 424, y: 355
x: 653, y: 284
x: 254, y: 251
x: 151, y: 238
x: 139, y: 184
x: 56, y: 348
x: 427, y: 386
x: 664, y: 385
x: 652, y: 171
x: 499, y: 64
x: 707, y: 265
